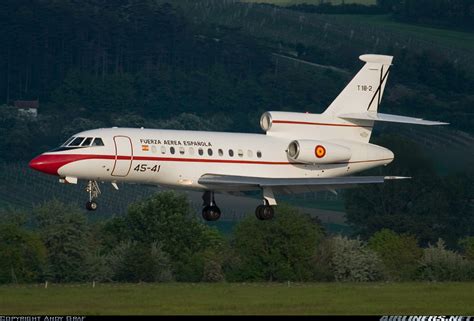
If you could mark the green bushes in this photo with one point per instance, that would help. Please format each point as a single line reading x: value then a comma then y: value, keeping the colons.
x: 140, y: 262
x: 65, y: 234
x: 441, y: 264
x: 159, y: 241
x: 22, y: 255
x: 400, y: 254
x: 353, y: 261
x: 278, y: 250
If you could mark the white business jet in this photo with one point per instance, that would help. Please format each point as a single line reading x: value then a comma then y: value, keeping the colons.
x: 299, y: 152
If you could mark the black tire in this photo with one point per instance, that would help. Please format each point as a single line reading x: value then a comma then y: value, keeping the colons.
x: 211, y: 213
x: 258, y: 212
x: 267, y: 212
x: 91, y: 206
x: 264, y: 212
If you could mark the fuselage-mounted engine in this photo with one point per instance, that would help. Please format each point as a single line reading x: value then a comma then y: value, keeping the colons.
x: 318, y: 152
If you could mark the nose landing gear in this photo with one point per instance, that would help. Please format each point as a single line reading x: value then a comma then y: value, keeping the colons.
x: 94, y: 191
x: 210, y: 211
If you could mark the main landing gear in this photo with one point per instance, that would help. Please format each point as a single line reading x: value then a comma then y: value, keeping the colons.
x: 94, y: 191
x: 210, y: 211
x: 266, y: 211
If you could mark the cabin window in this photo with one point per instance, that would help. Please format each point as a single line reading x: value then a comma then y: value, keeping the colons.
x: 181, y: 150
x: 191, y: 151
x: 231, y: 153
x: 87, y: 141
x: 153, y: 149
x: 77, y: 141
x: 249, y: 153
x: 98, y: 142
x: 220, y: 152
x: 240, y: 153
x: 209, y: 151
x: 200, y: 151
x: 259, y: 154
x: 163, y: 149
x: 172, y: 150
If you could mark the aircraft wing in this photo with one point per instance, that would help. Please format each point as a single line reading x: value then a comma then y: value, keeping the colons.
x: 289, y: 185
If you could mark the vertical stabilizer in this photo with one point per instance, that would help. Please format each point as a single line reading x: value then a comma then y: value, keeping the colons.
x: 364, y: 92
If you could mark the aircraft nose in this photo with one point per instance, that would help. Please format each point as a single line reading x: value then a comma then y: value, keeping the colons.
x: 45, y: 163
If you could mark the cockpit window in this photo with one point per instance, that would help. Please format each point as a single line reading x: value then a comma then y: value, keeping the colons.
x: 87, y: 141
x: 77, y: 141
x: 68, y: 141
x: 98, y: 142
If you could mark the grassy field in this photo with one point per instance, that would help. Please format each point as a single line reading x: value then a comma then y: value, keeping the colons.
x: 448, y: 37
x: 258, y: 298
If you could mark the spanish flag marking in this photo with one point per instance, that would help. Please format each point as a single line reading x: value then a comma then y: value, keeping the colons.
x: 145, y: 148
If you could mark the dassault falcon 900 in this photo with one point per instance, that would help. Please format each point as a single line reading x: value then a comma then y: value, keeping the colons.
x: 299, y: 152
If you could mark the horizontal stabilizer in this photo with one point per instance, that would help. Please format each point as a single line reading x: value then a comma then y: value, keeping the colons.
x: 390, y: 118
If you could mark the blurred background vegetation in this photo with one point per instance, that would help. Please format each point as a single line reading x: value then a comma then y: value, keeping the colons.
x: 211, y: 65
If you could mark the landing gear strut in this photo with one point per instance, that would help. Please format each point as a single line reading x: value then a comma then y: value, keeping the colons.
x: 265, y: 211
x: 210, y: 211
x: 94, y: 191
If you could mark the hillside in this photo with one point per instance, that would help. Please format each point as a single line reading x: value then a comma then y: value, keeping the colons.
x: 185, y: 66
x: 292, y: 2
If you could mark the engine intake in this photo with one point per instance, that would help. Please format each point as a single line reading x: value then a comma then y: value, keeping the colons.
x: 318, y: 152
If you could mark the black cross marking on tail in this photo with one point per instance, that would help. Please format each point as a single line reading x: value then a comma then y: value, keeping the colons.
x: 379, y: 88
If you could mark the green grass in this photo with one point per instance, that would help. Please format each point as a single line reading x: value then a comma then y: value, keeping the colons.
x: 447, y: 37
x: 258, y: 298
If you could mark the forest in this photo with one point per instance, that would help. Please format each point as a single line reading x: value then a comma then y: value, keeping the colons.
x: 144, y: 63
x: 154, y: 64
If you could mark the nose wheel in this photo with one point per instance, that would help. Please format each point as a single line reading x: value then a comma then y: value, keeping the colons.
x: 91, y: 206
x: 94, y: 191
x: 210, y: 211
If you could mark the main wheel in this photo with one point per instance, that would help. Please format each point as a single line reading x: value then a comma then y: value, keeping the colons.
x: 268, y: 212
x: 258, y: 212
x: 211, y: 213
x: 91, y: 206
x: 264, y: 212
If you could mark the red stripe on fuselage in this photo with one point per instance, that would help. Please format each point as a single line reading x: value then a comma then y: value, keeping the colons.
x: 50, y: 163
x: 315, y: 124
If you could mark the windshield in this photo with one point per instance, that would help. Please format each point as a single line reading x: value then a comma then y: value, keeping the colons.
x: 68, y: 141
x: 80, y: 142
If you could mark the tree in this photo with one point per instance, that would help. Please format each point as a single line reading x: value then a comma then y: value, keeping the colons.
x: 467, y: 245
x: 400, y: 253
x: 166, y: 218
x: 22, y: 255
x: 139, y: 262
x: 64, y: 232
x: 277, y: 250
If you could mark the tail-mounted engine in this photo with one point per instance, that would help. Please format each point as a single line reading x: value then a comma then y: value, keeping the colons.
x: 317, y: 152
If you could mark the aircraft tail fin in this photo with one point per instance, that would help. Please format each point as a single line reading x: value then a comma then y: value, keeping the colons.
x: 364, y: 92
